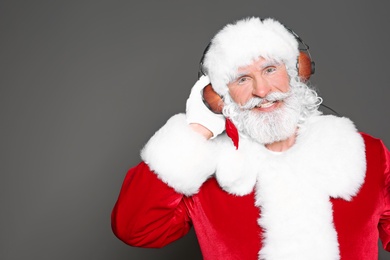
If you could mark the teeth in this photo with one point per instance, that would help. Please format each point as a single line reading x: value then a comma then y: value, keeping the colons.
x: 265, y: 105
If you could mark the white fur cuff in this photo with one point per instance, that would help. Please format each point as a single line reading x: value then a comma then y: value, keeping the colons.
x: 179, y: 156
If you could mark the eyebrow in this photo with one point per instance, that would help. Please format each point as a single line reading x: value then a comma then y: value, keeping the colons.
x: 269, y: 63
x: 242, y: 74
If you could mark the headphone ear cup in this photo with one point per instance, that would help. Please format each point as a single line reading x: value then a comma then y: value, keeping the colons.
x: 212, y: 100
x: 305, y: 66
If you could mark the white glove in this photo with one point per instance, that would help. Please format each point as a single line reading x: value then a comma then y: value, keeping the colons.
x: 198, y: 112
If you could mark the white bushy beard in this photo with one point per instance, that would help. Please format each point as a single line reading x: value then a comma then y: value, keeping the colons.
x: 266, y: 127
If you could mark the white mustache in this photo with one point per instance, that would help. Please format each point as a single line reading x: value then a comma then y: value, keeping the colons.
x: 272, y: 97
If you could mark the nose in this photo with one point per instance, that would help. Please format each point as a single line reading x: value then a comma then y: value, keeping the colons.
x: 261, y: 87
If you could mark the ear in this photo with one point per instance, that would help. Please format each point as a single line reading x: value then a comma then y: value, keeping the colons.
x: 212, y: 100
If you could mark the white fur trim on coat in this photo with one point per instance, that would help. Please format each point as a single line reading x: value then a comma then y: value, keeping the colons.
x: 292, y: 188
x: 181, y: 157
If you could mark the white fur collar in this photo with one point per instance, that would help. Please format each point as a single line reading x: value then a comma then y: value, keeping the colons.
x: 327, y: 147
x: 292, y: 188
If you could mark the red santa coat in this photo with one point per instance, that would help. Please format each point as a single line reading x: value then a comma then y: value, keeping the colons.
x: 232, y: 214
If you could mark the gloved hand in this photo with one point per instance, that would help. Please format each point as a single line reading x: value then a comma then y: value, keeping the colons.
x: 197, y: 112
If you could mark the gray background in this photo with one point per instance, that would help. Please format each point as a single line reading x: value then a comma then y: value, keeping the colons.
x: 84, y: 84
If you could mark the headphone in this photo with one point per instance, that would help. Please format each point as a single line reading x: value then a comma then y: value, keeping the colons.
x: 305, y: 64
x: 305, y: 67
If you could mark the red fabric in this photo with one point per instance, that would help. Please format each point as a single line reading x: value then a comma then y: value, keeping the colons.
x: 148, y: 213
x: 357, y: 222
x: 224, y: 233
x: 384, y: 224
x: 232, y: 132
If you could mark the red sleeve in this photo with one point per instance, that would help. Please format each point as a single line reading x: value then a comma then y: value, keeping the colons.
x: 384, y: 224
x: 148, y: 213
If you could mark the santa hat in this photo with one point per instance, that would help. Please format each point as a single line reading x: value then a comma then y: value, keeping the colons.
x: 244, y: 41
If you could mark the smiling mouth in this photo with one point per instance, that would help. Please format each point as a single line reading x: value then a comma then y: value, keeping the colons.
x: 266, y: 104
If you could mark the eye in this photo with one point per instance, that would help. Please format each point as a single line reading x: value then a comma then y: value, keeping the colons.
x: 242, y: 80
x: 270, y: 69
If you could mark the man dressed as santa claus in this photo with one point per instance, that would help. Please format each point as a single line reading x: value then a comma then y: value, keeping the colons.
x: 269, y: 178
